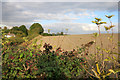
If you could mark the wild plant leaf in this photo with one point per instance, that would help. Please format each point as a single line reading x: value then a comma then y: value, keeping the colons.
x: 106, y: 75
x: 114, y: 57
x: 96, y: 74
x: 30, y: 53
x: 98, y: 70
x: 93, y: 22
x: 109, y: 58
x: 111, y: 26
x: 106, y: 15
x: 106, y: 60
x: 98, y: 19
x: 106, y: 28
x: 21, y: 55
x: 118, y: 70
x: 103, y: 23
x: 95, y: 34
x: 112, y: 71
x: 115, y: 53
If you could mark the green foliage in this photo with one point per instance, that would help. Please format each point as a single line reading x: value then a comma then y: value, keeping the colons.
x: 46, y: 34
x: 48, y: 64
x: 71, y: 66
x: 18, y: 64
x: 35, y: 30
x: 18, y: 31
x: 38, y: 27
x: 5, y: 28
x: 49, y: 31
x: 22, y: 62
x: 110, y: 16
x: 61, y: 33
x: 16, y: 28
x: 20, y: 34
x: 95, y: 34
x: 53, y: 34
x: 30, y: 37
x: 23, y: 29
x: 106, y: 71
x: 97, y: 21
x: 17, y: 40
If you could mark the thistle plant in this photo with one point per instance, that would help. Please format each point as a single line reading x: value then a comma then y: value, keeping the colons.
x: 102, y: 72
x: 95, y: 35
x: 98, y: 22
x: 110, y: 27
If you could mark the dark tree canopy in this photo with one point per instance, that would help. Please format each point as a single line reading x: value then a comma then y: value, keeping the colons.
x: 18, y: 31
x: 23, y: 29
x: 16, y: 28
x: 62, y: 33
x: 35, y: 30
x: 5, y: 28
x: 38, y: 26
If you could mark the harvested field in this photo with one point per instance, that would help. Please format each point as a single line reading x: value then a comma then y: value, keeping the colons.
x: 70, y: 42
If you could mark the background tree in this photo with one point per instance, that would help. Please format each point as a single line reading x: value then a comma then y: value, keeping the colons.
x: 5, y: 28
x: 35, y: 30
x: 23, y: 29
x: 38, y: 26
x: 18, y: 31
x: 14, y: 30
x: 48, y: 31
x: 61, y: 33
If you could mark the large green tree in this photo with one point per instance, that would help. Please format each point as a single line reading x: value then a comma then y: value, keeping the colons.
x: 35, y: 30
x: 37, y: 26
x: 17, y: 31
x: 14, y: 30
x: 23, y: 29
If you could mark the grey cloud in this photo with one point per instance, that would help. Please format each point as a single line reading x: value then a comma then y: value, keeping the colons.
x: 13, y: 11
x: 0, y: 13
x: 60, y: 0
x: 16, y: 14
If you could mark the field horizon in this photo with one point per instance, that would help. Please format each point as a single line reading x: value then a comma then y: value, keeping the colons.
x: 70, y: 42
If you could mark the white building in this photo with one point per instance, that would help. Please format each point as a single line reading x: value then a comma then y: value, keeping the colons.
x: 10, y: 35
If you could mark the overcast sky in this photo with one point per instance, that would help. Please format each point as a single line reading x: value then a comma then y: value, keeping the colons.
x: 57, y: 16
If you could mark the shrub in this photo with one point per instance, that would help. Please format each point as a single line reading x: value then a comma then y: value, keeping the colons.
x: 19, y: 63
x: 37, y: 28
x: 23, y: 29
x: 30, y: 37
x: 46, y: 34
x: 17, y: 40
